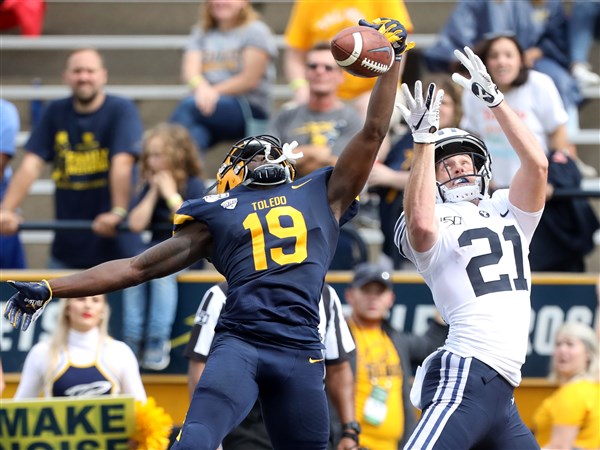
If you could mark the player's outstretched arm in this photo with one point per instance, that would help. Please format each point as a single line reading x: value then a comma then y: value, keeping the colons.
x: 422, y: 115
x: 354, y: 164
x: 188, y: 245
x: 191, y: 243
x: 528, y: 186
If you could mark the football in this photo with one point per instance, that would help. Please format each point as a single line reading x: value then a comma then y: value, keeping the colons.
x: 362, y: 51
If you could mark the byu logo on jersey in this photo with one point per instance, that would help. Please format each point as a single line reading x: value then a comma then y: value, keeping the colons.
x: 230, y: 204
x: 484, y: 214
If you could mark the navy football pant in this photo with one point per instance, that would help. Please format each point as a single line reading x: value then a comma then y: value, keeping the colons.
x: 468, y: 405
x: 290, y: 388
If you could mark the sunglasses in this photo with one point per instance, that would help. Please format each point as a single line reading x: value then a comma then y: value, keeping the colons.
x: 315, y: 66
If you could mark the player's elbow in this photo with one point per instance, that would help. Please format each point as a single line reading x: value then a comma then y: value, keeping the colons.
x: 422, y: 234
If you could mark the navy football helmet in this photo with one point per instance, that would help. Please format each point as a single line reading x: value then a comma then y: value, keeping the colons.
x: 278, y: 167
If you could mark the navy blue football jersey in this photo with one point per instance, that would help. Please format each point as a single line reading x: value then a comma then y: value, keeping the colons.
x: 274, y: 247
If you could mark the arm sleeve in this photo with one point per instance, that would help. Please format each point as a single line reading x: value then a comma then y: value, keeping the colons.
x: 128, y: 129
x: 130, y: 378
x: 32, y: 376
x: 295, y: 31
x: 203, y: 331
x: 338, y: 340
x: 9, y: 128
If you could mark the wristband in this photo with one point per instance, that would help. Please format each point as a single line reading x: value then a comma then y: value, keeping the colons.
x: 350, y: 435
x: 195, y: 81
x: 118, y: 211
x: 174, y: 201
x: 297, y: 83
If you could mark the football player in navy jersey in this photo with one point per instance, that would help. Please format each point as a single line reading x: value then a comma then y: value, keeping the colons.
x: 273, y: 239
x: 472, y: 252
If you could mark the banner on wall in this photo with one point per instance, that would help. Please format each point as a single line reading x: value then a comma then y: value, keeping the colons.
x: 554, y: 300
x: 103, y: 423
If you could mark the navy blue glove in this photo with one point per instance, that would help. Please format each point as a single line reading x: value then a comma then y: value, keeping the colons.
x: 28, y: 303
x: 393, y: 31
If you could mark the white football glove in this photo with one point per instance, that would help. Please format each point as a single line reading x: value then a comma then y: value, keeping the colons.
x: 481, y: 83
x: 423, y: 118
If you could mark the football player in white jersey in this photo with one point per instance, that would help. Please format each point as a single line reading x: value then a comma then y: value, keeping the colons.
x: 472, y: 251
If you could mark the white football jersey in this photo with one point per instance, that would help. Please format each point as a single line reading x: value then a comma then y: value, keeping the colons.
x: 478, y: 272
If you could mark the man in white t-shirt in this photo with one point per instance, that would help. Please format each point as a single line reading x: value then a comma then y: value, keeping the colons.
x: 472, y: 252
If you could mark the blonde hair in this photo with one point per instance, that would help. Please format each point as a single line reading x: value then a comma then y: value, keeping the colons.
x: 208, y: 22
x: 59, y: 339
x: 180, y: 150
x: 588, y: 336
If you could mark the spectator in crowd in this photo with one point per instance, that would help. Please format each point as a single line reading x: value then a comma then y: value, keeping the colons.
x: 339, y: 347
x: 471, y: 250
x: 323, y: 124
x: 530, y: 93
x: 322, y: 127
x: 584, y: 22
x: 170, y: 171
x: 565, y: 234
x: 540, y: 27
x: 13, y: 254
x: 388, y: 177
x: 92, y: 140
x: 569, y: 417
x: 272, y: 239
x: 384, y: 359
x: 229, y: 65
x: 313, y: 22
x: 80, y: 358
x: 27, y: 15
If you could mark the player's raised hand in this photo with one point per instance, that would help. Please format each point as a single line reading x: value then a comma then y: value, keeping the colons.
x: 393, y: 31
x: 28, y: 303
x: 481, y: 83
x: 423, y: 117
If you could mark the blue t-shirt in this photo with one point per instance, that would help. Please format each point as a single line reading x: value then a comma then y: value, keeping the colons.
x: 80, y: 147
x: 162, y: 215
x: 9, y: 128
x: 274, y: 247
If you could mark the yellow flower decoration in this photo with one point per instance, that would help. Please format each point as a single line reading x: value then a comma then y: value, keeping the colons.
x: 152, y: 426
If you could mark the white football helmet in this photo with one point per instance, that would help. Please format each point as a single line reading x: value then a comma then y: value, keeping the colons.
x: 451, y: 142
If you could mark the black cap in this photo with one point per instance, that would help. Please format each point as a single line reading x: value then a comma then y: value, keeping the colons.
x: 368, y: 272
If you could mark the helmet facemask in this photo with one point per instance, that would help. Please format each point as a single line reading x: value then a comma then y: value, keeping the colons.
x: 461, y: 188
x: 277, y: 167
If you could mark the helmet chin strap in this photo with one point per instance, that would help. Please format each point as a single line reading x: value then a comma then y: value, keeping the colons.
x: 463, y: 193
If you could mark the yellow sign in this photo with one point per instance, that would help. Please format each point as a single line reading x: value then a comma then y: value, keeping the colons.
x: 99, y: 423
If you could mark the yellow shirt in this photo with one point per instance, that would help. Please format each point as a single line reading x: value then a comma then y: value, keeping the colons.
x: 574, y: 404
x: 378, y: 364
x: 317, y: 21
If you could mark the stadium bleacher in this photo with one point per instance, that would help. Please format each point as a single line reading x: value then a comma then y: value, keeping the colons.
x: 134, y: 36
